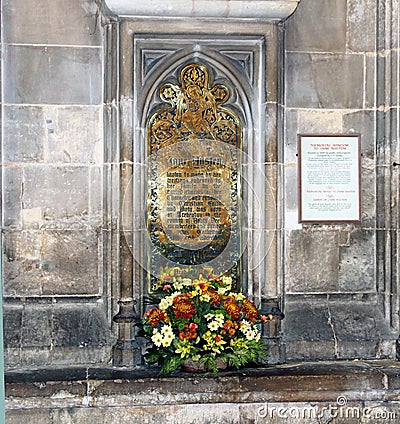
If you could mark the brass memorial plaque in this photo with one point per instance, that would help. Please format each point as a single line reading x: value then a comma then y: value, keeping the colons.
x: 193, y: 180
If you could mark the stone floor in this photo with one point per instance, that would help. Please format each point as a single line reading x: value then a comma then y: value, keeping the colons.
x: 318, y: 392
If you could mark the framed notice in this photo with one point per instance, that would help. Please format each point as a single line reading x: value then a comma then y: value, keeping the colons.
x: 329, y: 178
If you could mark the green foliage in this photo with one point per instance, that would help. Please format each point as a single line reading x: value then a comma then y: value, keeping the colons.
x: 200, y: 318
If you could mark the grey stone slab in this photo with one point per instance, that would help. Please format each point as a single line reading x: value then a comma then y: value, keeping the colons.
x: 317, y: 25
x: 271, y: 151
x: 21, y: 260
x: 96, y: 195
x: 319, y: 121
x: 310, y: 351
x: 24, y: 134
x: 70, y: 262
x: 74, y: 134
x: 12, y: 196
x: 51, y: 22
x: 80, y: 325
x: 313, y: 261
x: 361, y: 25
x: 362, y: 122
x: 359, y: 322
x: 357, y: 263
x: 291, y: 188
x: 370, y: 82
x: 291, y: 131
x: 42, y: 416
x: 331, y: 81
x: 12, y: 318
x: 306, y: 321
x: 52, y: 75
x: 36, y: 326
x: 368, y: 197
x: 394, y: 76
x: 60, y: 191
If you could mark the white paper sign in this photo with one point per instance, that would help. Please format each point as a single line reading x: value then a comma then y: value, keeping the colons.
x: 329, y: 178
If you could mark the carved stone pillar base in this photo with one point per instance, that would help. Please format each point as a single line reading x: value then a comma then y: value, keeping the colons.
x: 126, y: 350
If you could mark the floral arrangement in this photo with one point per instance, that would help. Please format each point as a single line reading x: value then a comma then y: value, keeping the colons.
x: 199, y: 318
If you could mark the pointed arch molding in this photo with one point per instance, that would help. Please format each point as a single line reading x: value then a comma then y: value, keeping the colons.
x: 149, y: 56
x: 237, y: 9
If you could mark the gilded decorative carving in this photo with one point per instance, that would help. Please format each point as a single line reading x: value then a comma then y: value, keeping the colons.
x: 193, y: 209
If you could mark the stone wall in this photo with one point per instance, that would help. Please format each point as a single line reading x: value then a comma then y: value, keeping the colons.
x: 340, y: 280
x: 54, y: 296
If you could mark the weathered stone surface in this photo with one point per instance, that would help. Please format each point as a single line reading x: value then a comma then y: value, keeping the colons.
x: 60, y: 191
x: 36, y: 326
x: 70, y: 262
x: 368, y: 197
x: 324, y: 80
x: 319, y: 121
x: 79, y: 326
x: 362, y: 25
x: 24, y: 134
x: 291, y: 131
x: 307, y: 320
x: 359, y: 322
x: 292, y: 186
x: 74, y: 134
x: 317, y: 26
x: 74, y: 22
x: 370, y: 82
x: 96, y: 195
x: 12, y: 319
x: 356, y: 269
x: 312, y: 261
x: 38, y: 415
x: 21, y: 259
x: 290, y: 393
x: 12, y: 196
x: 362, y: 122
x: 55, y: 75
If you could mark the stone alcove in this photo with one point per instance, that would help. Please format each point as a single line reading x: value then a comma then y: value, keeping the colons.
x: 239, y: 42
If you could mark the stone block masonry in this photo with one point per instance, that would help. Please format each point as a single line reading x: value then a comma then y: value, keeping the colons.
x: 55, y: 303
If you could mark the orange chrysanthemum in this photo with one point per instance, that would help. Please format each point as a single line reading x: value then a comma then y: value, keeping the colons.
x: 232, y: 309
x: 155, y: 316
x: 184, y: 309
x: 215, y: 298
x: 249, y: 309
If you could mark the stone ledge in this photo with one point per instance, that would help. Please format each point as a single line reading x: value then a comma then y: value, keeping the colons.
x: 123, y: 387
x: 237, y: 9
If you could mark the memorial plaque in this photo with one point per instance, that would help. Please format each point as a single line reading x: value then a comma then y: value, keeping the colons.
x: 193, y: 180
x: 329, y: 178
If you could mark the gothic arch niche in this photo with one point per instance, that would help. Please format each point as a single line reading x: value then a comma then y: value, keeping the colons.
x: 238, y: 66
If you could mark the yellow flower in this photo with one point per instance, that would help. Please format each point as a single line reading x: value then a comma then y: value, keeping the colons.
x: 184, y: 348
x: 205, y: 298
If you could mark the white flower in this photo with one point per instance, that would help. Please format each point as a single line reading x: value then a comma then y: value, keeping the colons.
x: 219, y: 318
x: 164, y: 304
x: 186, y: 281
x: 167, y: 340
x: 167, y: 330
x: 222, y: 291
x: 208, y: 317
x: 213, y: 325
x: 157, y: 338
